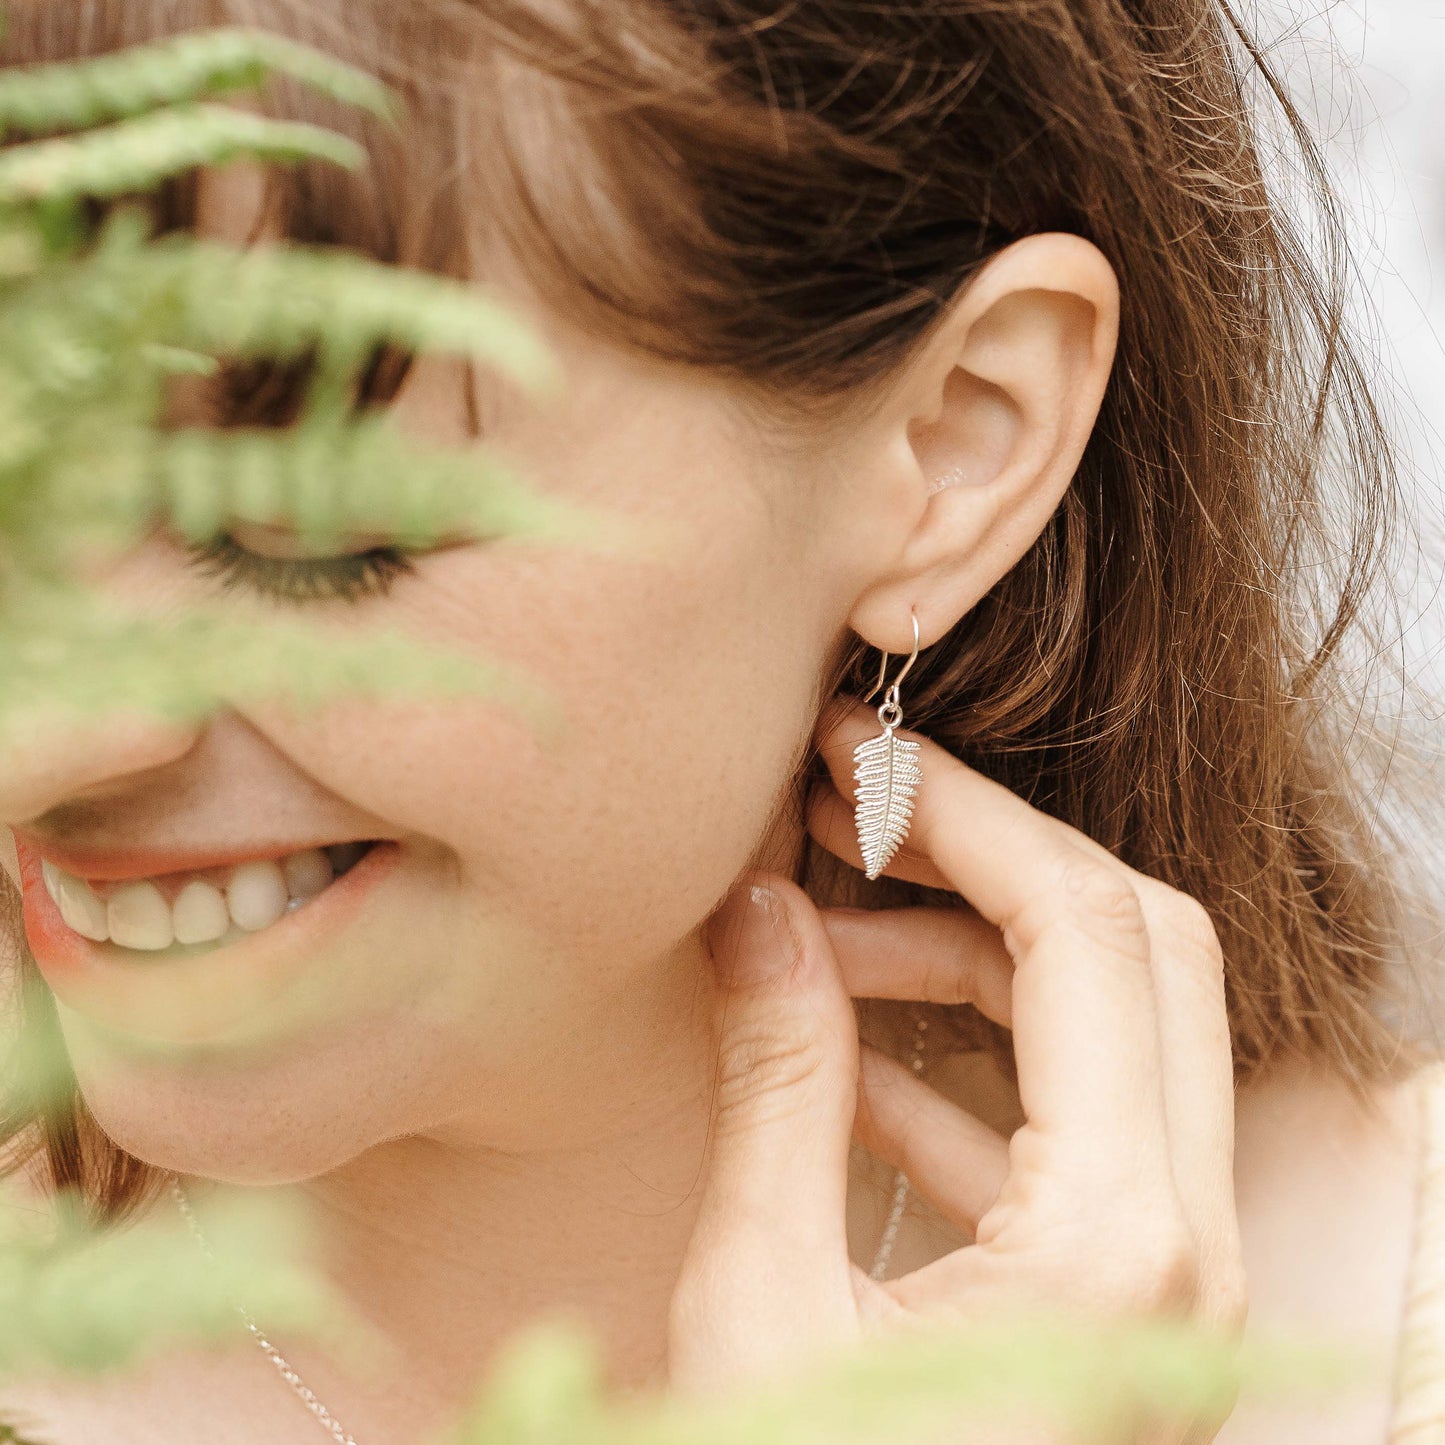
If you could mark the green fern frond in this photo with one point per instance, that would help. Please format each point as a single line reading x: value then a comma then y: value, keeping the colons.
x: 92, y: 327
x: 78, y: 658
x: 281, y: 302
x: 1089, y: 1381
x: 191, y: 67
x: 37, y: 1076
x: 21, y: 249
x: 138, y: 154
x: 326, y: 483
x: 77, y: 1298
x: 276, y: 303
x: 11, y: 1436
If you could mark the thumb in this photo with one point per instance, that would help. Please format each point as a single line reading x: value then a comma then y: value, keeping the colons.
x: 767, y: 1278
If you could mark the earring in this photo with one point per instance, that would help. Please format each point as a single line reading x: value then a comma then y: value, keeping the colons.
x: 887, y: 773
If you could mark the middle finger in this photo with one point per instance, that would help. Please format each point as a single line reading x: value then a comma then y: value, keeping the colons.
x: 1085, y: 1017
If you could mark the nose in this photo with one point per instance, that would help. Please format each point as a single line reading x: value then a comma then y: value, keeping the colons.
x: 62, y: 760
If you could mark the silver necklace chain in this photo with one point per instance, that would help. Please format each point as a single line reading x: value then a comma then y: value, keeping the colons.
x: 282, y: 1365
x: 900, y: 1182
x: 334, y: 1427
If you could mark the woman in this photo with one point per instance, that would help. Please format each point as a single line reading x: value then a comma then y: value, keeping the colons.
x: 961, y: 338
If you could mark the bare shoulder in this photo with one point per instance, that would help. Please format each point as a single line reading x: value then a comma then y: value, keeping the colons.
x: 1326, y: 1188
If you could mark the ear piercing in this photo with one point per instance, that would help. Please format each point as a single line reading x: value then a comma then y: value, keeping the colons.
x: 887, y: 773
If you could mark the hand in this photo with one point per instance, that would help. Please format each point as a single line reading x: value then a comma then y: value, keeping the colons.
x: 1115, y: 1197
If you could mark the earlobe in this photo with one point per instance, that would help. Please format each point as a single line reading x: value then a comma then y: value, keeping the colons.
x: 996, y: 411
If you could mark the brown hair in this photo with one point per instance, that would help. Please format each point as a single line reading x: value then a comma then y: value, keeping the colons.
x: 789, y: 194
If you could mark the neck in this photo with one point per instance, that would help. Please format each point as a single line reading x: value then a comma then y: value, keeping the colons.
x: 448, y: 1241
x: 449, y: 1244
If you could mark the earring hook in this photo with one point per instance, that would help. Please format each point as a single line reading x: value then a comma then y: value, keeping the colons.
x: 883, y: 664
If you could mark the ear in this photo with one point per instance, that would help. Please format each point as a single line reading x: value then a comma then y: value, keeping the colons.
x: 986, y: 429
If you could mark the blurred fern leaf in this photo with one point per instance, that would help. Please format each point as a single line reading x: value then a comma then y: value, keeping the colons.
x: 1104, y: 1382
x: 175, y: 72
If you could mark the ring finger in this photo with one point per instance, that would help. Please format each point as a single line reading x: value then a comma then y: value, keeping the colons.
x: 943, y: 955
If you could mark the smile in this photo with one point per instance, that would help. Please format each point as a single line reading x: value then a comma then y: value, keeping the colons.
x: 215, y: 906
x: 272, y: 930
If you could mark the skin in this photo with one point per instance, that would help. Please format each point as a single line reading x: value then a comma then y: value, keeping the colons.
x: 498, y: 1089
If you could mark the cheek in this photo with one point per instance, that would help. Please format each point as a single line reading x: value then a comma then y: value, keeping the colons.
x: 682, y: 685
x: 554, y: 865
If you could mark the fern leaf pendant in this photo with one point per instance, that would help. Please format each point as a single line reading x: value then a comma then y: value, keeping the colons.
x: 887, y: 774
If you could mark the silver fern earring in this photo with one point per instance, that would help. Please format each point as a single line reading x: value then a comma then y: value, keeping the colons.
x: 887, y: 774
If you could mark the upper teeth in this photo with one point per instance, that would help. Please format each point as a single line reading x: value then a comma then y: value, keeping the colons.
x: 253, y: 896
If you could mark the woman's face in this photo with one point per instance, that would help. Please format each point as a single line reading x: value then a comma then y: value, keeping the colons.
x: 534, y: 916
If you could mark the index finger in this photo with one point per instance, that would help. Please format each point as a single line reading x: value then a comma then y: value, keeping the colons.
x: 1085, y: 1014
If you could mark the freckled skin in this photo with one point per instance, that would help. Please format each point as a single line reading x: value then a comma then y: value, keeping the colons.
x: 531, y: 981
x: 551, y: 878
x: 493, y: 1081
x: 531, y: 978
x: 492, y: 1076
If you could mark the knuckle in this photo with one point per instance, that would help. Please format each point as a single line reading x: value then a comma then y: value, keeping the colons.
x: 1189, y: 923
x: 950, y: 974
x: 1158, y: 1268
x: 963, y: 988
x: 946, y: 989
x: 1030, y: 1197
x: 1166, y: 1275
x: 1100, y: 891
x: 762, y: 1068
x: 960, y: 986
x: 1088, y: 896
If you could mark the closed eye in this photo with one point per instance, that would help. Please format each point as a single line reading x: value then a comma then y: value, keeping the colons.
x: 294, y: 577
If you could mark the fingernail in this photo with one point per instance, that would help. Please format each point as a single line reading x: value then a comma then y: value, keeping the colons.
x: 757, y: 941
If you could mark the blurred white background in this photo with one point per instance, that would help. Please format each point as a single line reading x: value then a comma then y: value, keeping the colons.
x: 1370, y: 76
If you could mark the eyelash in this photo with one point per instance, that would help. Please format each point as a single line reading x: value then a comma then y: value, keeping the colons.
x: 348, y: 578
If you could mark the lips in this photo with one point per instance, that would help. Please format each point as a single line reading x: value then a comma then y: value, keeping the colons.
x: 103, y: 865
x: 189, y: 994
x: 45, y: 930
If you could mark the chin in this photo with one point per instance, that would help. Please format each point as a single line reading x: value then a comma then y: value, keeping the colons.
x: 231, y: 1124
